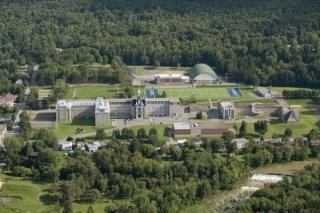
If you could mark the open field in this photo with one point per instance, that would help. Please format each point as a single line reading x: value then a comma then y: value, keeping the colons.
x: 93, y: 92
x: 30, y: 191
x: 286, y: 169
x: 280, y: 89
x: 200, y: 93
x: 184, y: 93
x: 65, y: 129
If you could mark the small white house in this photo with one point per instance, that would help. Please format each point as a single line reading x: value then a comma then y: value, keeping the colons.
x: 240, y: 142
x: 65, y: 146
x: 198, y: 143
x: 93, y: 146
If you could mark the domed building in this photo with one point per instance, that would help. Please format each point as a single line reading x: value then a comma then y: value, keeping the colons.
x: 203, y: 74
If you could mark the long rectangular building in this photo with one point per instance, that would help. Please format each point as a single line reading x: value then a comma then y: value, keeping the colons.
x: 105, y: 109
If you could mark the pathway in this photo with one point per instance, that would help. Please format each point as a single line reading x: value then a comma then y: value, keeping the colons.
x: 74, y: 93
x: 37, y: 187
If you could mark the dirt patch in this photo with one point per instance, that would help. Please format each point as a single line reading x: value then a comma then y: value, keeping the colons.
x: 285, y: 169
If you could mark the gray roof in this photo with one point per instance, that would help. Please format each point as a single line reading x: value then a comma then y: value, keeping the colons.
x: 181, y: 126
x: 262, y: 91
x: 201, y: 69
x: 291, y: 115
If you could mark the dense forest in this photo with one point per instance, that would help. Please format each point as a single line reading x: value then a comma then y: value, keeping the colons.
x: 256, y: 42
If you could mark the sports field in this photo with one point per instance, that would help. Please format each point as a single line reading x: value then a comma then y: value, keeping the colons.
x: 200, y: 93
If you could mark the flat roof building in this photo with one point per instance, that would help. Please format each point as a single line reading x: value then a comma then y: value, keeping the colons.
x: 199, y: 128
x: 171, y: 79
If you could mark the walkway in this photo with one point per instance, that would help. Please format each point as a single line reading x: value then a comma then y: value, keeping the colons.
x: 74, y: 93
x: 37, y: 187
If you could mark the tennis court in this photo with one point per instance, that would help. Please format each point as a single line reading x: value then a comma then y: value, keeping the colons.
x: 201, y: 93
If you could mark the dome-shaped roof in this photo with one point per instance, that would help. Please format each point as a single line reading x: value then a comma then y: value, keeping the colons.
x: 201, y: 69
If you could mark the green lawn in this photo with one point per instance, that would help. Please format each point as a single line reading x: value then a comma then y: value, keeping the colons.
x: 93, y: 92
x: 199, y: 93
x: 27, y: 190
x: 65, y: 129
x: 280, y: 89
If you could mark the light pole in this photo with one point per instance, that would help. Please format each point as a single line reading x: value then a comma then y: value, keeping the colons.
x: 226, y: 77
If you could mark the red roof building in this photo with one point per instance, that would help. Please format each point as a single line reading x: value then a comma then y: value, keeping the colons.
x: 7, y: 99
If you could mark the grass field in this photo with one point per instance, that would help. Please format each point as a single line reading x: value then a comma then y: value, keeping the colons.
x: 199, y: 93
x: 29, y: 192
x: 280, y: 89
x: 184, y: 93
x: 65, y: 129
x: 92, y: 92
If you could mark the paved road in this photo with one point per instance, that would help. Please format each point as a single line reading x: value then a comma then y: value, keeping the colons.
x: 16, y: 131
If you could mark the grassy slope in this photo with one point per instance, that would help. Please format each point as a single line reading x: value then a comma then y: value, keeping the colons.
x: 65, y: 129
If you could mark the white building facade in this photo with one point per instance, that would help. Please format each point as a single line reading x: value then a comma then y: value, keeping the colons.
x: 105, y: 109
x: 226, y: 109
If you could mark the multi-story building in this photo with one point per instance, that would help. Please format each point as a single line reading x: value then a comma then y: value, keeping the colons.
x: 226, y: 109
x: 105, y: 109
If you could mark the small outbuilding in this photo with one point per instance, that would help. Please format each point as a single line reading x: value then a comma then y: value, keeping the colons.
x: 264, y: 92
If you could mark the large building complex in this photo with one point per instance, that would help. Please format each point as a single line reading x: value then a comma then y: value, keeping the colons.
x: 199, y: 74
x: 105, y: 109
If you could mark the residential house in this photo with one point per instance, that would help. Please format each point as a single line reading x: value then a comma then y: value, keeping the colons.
x: 180, y: 143
x: 93, y: 146
x: 19, y: 82
x: 240, y: 142
x: 275, y: 142
x: 65, y: 146
x: 198, y: 143
x: 24, y: 68
x: 81, y: 145
x: 315, y: 142
x: 127, y: 143
x: 3, y: 130
x: 5, y: 119
x: 7, y: 99
x: 33, y: 155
